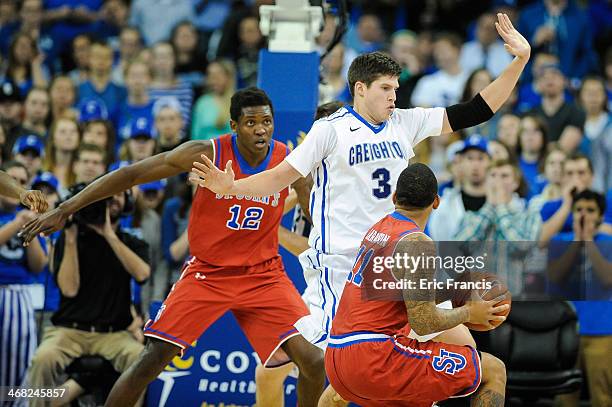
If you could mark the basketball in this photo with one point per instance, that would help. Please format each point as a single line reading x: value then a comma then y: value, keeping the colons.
x: 495, y: 287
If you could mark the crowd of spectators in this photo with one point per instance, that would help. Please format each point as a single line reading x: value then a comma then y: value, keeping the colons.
x: 89, y: 86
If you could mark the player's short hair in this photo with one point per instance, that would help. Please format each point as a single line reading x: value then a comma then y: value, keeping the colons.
x: 590, y: 195
x: 417, y: 187
x: 248, y: 97
x: 328, y: 108
x: 367, y: 68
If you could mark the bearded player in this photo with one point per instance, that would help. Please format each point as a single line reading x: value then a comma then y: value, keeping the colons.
x: 369, y: 359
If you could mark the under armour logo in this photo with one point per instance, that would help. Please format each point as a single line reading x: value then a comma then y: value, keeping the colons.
x: 200, y: 276
x: 448, y: 362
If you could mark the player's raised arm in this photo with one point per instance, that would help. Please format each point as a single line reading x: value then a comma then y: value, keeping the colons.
x: 150, y: 169
x: 424, y: 317
x: 482, y: 107
x: 34, y: 200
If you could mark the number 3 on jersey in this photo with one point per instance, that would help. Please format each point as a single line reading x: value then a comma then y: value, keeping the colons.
x: 251, y: 220
x: 383, y: 189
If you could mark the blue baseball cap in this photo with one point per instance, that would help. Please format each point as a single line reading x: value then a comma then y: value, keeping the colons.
x: 154, y: 186
x: 92, y: 109
x: 46, y: 178
x: 29, y: 142
x: 140, y: 127
x: 475, y: 142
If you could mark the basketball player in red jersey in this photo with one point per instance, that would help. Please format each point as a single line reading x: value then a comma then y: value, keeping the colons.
x: 236, y: 266
x: 369, y: 360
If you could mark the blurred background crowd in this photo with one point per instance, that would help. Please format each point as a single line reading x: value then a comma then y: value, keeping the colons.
x: 89, y: 86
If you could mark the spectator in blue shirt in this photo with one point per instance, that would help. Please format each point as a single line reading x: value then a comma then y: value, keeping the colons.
x: 568, y: 260
x: 18, y: 266
x: 556, y: 214
x: 99, y: 84
x: 531, y: 149
x: 561, y: 28
x: 138, y: 102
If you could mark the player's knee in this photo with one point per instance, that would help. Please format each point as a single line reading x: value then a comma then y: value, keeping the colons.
x: 312, y: 363
x: 493, y: 369
x: 156, y: 355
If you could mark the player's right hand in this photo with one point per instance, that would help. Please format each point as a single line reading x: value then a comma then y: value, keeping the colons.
x: 206, y: 174
x: 47, y: 223
x: 483, y: 312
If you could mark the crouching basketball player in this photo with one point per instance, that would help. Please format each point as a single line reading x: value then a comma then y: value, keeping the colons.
x: 369, y: 360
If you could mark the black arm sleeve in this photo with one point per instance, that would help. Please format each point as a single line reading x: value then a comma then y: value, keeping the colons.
x: 468, y: 114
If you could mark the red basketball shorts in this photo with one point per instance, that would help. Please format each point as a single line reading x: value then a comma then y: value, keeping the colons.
x: 373, y: 369
x: 262, y: 298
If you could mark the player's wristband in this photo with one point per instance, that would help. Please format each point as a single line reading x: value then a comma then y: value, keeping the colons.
x: 468, y: 114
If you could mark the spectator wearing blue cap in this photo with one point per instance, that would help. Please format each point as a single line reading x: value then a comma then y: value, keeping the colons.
x: 99, y: 84
x: 141, y: 144
x: 48, y: 185
x: 469, y: 196
x: 138, y: 103
x: 92, y: 109
x: 28, y: 150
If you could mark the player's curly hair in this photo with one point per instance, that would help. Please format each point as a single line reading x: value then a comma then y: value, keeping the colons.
x: 367, y: 68
x: 417, y: 187
x: 248, y: 97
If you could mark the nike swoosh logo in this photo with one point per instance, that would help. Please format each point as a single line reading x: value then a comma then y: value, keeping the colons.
x: 352, y: 129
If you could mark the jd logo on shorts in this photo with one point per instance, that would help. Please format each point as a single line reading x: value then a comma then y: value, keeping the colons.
x: 448, y: 362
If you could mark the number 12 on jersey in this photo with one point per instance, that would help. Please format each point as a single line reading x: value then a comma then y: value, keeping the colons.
x: 251, y: 220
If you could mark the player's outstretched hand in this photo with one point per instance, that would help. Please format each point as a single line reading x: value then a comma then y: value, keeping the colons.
x: 515, y: 43
x: 206, y: 174
x: 35, y: 200
x: 47, y: 223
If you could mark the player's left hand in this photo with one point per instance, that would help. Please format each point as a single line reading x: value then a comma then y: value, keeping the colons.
x: 206, y: 174
x: 35, y: 200
x: 515, y: 43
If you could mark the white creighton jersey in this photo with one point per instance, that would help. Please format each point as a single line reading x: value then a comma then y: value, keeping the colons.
x: 355, y: 167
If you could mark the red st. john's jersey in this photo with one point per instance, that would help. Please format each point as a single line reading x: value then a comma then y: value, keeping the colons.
x: 237, y: 230
x: 362, y: 307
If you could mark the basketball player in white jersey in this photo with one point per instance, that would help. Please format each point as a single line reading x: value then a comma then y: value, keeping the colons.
x: 355, y: 157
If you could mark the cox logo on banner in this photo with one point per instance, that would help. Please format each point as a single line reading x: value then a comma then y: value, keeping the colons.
x: 448, y: 362
x: 218, y: 370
